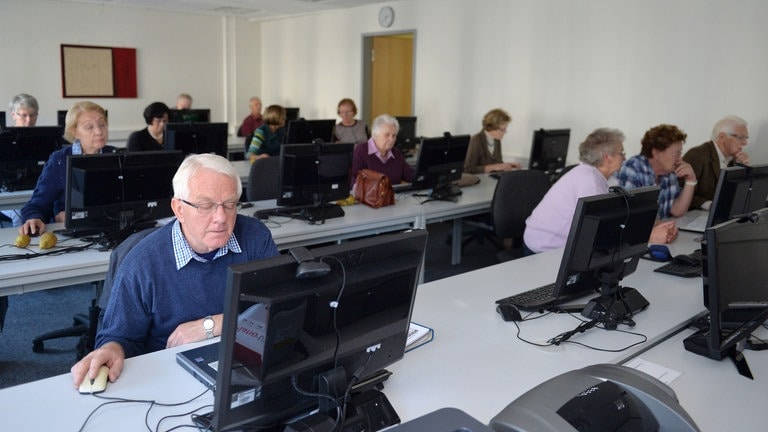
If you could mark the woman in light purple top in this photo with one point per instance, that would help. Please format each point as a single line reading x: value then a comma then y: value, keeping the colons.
x: 601, y: 155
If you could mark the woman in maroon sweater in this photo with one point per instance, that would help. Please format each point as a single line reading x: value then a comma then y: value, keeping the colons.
x: 379, y: 154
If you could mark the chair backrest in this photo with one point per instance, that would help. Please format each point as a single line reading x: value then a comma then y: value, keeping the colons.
x: 263, y: 179
x: 517, y: 193
x: 115, y: 258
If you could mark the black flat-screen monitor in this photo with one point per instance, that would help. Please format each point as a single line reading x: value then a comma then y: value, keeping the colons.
x: 307, y: 131
x: 313, y: 175
x: 284, y: 336
x: 2, y: 119
x: 740, y: 190
x: 197, y: 138
x: 549, y: 150
x: 197, y: 115
x: 735, y: 285
x: 440, y: 163
x: 291, y: 113
x: 608, y: 235
x: 24, y: 152
x: 61, y: 117
x: 110, y: 192
x: 406, y: 136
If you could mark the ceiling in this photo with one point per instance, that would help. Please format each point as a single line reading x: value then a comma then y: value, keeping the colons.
x: 256, y: 10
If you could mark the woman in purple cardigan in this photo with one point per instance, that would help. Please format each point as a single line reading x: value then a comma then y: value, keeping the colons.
x: 379, y: 153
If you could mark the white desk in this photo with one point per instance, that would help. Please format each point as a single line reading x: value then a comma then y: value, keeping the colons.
x: 713, y: 392
x: 15, y: 199
x: 53, y: 271
x: 475, y: 362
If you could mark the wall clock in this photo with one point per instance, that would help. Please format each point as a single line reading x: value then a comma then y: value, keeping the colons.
x: 386, y: 16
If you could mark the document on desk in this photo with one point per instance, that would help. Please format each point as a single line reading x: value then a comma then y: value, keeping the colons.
x: 655, y: 370
x: 418, y: 335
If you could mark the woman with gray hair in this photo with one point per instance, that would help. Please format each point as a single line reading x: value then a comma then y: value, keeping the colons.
x: 24, y: 110
x: 601, y: 155
x: 379, y: 153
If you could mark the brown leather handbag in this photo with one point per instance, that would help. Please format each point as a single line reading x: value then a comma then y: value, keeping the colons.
x: 373, y: 189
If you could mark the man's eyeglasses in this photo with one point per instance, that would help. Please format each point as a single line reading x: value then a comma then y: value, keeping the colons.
x: 207, y: 208
x: 739, y: 137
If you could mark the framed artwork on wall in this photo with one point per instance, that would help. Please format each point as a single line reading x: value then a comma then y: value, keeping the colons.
x: 94, y: 71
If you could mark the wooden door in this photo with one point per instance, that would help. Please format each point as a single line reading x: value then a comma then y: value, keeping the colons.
x: 391, y: 76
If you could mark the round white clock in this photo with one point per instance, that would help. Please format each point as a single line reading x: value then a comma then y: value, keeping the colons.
x: 386, y: 16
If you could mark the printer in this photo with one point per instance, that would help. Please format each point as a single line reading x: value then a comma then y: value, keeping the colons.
x: 602, y: 397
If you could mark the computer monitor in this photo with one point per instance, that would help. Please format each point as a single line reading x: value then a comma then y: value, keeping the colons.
x: 406, y: 137
x: 2, y: 119
x: 24, y: 152
x: 197, y: 115
x: 110, y: 192
x: 197, y: 138
x: 314, y: 175
x: 290, y: 344
x: 61, y: 117
x: 735, y: 285
x: 740, y: 190
x: 307, y: 131
x: 549, y: 150
x: 608, y: 235
x: 440, y: 163
x: 291, y: 113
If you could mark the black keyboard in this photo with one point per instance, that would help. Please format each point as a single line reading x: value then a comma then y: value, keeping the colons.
x: 309, y: 214
x: 541, y: 298
x: 689, y: 268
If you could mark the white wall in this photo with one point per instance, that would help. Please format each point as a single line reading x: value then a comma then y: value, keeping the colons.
x: 202, y: 55
x: 581, y: 64
x: 550, y: 63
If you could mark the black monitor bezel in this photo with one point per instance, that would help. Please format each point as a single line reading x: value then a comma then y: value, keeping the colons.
x: 433, y: 170
x: 293, y: 193
x: 191, y: 115
x: 219, y: 131
x: 733, y: 185
x: 406, y: 248
x: 722, y: 287
x: 406, y: 137
x: 575, y: 274
x: 306, y: 131
x: 292, y: 113
x: 106, y: 216
x: 542, y: 144
x: 29, y: 149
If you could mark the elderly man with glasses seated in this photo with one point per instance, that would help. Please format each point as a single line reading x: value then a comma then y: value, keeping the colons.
x: 169, y: 289
x: 726, y: 148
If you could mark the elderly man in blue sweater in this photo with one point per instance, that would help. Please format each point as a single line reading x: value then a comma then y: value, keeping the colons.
x: 169, y: 289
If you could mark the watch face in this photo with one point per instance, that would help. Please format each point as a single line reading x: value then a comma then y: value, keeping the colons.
x: 208, y: 324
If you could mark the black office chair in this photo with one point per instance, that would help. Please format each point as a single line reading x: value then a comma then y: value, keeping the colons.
x: 517, y: 193
x: 85, y: 326
x: 263, y: 179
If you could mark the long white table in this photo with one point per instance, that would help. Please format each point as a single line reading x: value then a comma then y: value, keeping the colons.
x: 41, y: 273
x: 15, y: 199
x: 475, y: 363
x: 713, y: 392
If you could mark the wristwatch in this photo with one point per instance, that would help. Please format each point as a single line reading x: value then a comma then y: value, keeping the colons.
x: 208, y: 326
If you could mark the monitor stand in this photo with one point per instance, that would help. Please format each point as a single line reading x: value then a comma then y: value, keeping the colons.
x: 617, y: 306
x: 318, y: 214
x: 363, y: 406
x: 445, y: 192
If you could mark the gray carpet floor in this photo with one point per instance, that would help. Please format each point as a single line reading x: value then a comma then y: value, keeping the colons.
x: 35, y: 313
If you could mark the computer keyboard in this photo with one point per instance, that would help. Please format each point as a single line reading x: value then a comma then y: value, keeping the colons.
x: 309, y: 214
x: 684, y: 267
x: 541, y: 298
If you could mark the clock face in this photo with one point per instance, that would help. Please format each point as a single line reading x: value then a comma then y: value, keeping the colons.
x: 386, y: 16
